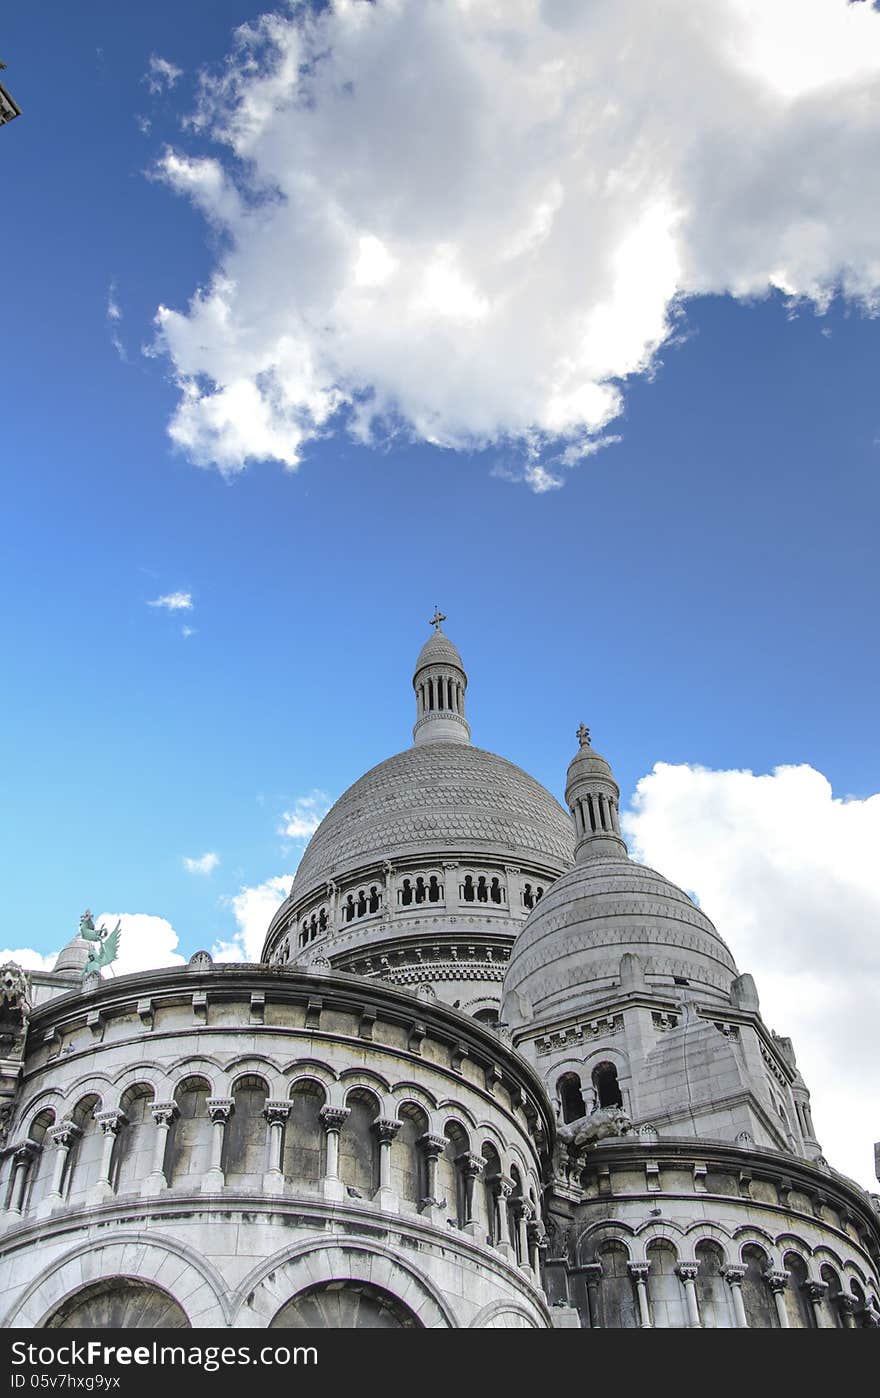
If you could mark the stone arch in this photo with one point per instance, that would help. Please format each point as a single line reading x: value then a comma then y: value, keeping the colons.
x: 703, y: 1232
x: 365, y: 1077
x: 279, y: 1279
x: 84, y: 1156
x: 714, y: 1299
x: 408, y: 1169
x: 750, y: 1235
x: 257, y: 1065
x: 40, y: 1172
x: 415, y: 1092
x: 122, y: 1255
x: 665, y: 1291
x: 50, y: 1097
x: 87, y: 1085
x: 309, y: 1070
x: 449, y: 1108
x: 243, y: 1161
x: 188, y: 1150
x: 119, y: 1303
x: 655, y: 1231
x: 345, y: 1305
x: 507, y: 1315
x: 303, y: 1147
x: 146, y: 1071
x: 358, y: 1145
x: 595, y: 1234
x: 196, y: 1066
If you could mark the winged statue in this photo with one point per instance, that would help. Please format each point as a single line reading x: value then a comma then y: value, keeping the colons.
x: 105, y: 945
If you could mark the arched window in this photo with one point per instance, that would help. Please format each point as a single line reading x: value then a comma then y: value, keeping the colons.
x: 571, y: 1097
x: 496, y: 892
x: 435, y: 892
x: 797, y: 1303
x: 348, y: 911
x: 467, y: 889
x: 406, y: 893
x: 358, y: 1147
x: 84, y: 1156
x: 40, y: 1175
x: 421, y: 892
x: 361, y: 903
x: 120, y: 1303
x: 514, y: 1207
x: 605, y: 1082
x: 617, y: 1299
x: 133, y: 1152
x: 760, y: 1310
x: 488, y: 1015
x: 832, y: 1296
x: 665, y: 1290
x: 303, y: 1151
x: 244, y: 1137
x: 713, y: 1293
x: 374, y: 899
x: 322, y: 920
x: 408, y: 1169
x: 451, y: 1181
x: 188, y: 1153
x: 528, y: 896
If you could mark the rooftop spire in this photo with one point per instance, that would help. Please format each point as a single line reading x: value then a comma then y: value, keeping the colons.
x: 440, y: 683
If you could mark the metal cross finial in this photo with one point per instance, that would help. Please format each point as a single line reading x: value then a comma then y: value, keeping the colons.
x: 583, y: 736
x: 437, y: 618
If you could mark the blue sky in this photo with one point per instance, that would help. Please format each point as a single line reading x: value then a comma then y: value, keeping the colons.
x: 702, y: 591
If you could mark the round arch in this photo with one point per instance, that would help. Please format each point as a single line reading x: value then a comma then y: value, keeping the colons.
x: 281, y: 1278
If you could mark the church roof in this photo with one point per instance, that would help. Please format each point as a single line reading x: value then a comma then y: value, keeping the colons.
x: 438, y: 799
x: 438, y: 650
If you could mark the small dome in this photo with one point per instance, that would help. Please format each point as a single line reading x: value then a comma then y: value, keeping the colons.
x: 74, y: 956
x: 438, y: 650
x: 568, y: 954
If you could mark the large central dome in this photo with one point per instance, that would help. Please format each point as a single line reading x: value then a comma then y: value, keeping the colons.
x: 438, y: 799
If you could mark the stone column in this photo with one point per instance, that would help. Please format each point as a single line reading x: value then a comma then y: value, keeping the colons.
x: 276, y: 1114
x: 816, y: 1292
x: 332, y: 1120
x: 777, y: 1281
x: 534, y: 1234
x: 22, y: 1156
x: 163, y: 1114
x: 385, y: 1129
x: 593, y: 1276
x: 111, y: 1123
x: 503, y: 1188
x: 524, y: 1214
x: 847, y: 1305
x: 471, y: 1167
x: 687, y: 1271
x: 220, y: 1109
x: 431, y: 1206
x: 639, y: 1273
x: 734, y: 1278
x: 62, y: 1137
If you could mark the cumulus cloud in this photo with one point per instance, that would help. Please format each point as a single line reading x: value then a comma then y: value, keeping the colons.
x: 304, y: 817
x: 787, y: 872
x: 205, y: 864
x: 174, y: 602
x: 145, y: 942
x: 469, y: 222
x: 161, y: 74
x: 253, y: 909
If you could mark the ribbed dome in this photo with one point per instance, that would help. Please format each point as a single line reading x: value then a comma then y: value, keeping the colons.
x: 74, y: 955
x: 438, y: 650
x: 568, y: 953
x: 440, y: 799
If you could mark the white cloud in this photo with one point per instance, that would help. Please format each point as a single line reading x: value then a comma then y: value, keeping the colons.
x: 161, y: 75
x: 187, y: 631
x: 174, y: 602
x: 29, y: 959
x: 304, y: 817
x: 145, y: 942
x: 787, y: 872
x: 470, y: 221
x: 205, y: 864
x: 253, y: 909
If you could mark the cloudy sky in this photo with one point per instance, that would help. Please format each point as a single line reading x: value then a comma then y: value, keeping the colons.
x: 560, y: 313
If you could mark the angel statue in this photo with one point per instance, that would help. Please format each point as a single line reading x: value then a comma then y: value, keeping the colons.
x: 105, y: 945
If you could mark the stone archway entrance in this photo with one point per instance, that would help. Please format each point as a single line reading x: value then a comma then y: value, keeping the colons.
x: 119, y: 1303
x: 345, y: 1305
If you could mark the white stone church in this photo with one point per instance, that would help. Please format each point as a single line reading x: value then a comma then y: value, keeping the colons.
x: 489, y: 1073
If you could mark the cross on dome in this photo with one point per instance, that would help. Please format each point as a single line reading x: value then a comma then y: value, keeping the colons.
x: 583, y: 736
x: 437, y: 618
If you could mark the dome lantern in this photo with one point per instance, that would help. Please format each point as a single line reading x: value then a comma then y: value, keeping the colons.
x: 593, y: 798
x: 440, y: 682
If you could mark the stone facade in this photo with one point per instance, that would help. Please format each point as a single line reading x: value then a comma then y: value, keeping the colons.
x: 348, y: 1135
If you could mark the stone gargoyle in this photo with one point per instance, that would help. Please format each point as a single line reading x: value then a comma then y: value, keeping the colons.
x: 587, y: 1130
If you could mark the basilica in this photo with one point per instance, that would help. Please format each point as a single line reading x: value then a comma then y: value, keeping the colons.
x: 489, y: 1073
